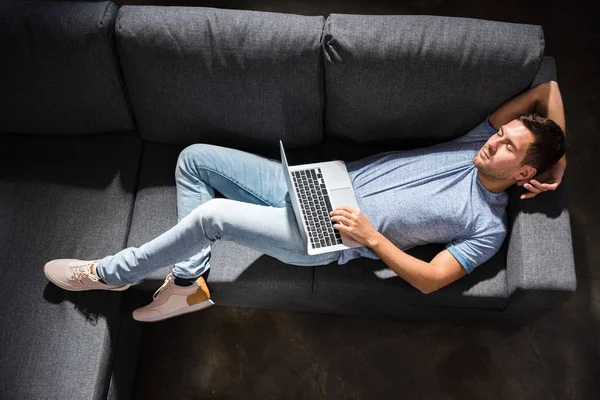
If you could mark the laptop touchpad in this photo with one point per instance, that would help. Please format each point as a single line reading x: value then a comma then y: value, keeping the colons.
x: 342, y: 197
x: 336, y: 175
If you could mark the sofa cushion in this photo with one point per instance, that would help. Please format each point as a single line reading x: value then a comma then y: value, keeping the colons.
x: 368, y: 287
x: 202, y: 74
x: 60, y: 197
x: 59, y: 71
x: 407, y: 77
x: 239, y: 275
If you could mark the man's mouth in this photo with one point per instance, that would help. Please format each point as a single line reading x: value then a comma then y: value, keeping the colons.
x: 485, y: 155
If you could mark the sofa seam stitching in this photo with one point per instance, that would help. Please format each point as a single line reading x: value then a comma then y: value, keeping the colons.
x: 104, y: 14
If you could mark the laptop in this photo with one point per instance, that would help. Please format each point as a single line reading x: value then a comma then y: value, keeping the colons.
x: 316, y: 190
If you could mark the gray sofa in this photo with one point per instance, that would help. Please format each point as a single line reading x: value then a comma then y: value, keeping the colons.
x: 98, y: 101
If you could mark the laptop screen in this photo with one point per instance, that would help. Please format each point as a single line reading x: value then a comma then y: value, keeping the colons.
x: 292, y: 193
x: 285, y: 167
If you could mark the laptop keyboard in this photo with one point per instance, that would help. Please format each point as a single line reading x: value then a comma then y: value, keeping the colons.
x: 315, y: 208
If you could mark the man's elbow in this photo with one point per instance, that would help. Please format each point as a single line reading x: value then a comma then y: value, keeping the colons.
x: 428, y: 287
x: 440, y: 277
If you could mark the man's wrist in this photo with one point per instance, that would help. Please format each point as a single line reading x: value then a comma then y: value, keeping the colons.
x: 375, y: 240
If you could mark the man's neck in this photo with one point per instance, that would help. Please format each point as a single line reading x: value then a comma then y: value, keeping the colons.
x: 494, y: 185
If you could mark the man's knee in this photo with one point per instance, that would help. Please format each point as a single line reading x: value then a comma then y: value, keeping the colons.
x: 191, y: 156
x: 210, y: 217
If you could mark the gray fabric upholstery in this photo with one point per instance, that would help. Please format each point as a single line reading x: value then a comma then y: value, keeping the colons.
x: 60, y: 197
x: 408, y: 77
x: 418, y: 313
x: 547, y: 71
x: 59, y: 71
x: 540, y: 264
x: 124, y: 364
x: 199, y: 74
x: 366, y: 286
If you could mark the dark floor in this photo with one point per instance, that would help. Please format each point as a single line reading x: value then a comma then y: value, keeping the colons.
x: 247, y: 354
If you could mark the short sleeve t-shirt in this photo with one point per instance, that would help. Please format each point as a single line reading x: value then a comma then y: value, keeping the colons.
x: 431, y: 195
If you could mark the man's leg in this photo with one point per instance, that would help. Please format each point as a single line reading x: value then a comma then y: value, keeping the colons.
x: 267, y: 229
x: 237, y: 175
x: 263, y: 220
x: 270, y: 230
x: 246, y: 177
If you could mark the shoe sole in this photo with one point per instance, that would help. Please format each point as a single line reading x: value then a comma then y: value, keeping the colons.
x: 77, y: 289
x: 176, y: 313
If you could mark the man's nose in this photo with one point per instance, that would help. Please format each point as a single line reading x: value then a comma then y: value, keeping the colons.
x: 493, y: 145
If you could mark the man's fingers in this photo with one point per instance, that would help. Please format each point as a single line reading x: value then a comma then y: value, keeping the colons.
x: 535, y: 187
x: 340, y: 211
x: 538, y: 185
x: 528, y: 195
x: 342, y: 219
x: 532, y: 188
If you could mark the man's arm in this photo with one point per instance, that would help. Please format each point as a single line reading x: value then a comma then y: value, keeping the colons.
x: 425, y: 276
x: 544, y: 99
x: 550, y: 105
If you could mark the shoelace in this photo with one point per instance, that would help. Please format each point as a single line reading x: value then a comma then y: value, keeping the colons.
x: 160, y: 289
x: 84, y: 271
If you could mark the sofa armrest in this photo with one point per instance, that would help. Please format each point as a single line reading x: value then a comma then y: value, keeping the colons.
x: 547, y: 71
x: 540, y: 264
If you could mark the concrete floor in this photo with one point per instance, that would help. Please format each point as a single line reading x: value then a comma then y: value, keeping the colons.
x: 244, y: 353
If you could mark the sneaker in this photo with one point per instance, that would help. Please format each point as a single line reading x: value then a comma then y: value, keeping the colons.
x: 171, y: 300
x: 77, y: 276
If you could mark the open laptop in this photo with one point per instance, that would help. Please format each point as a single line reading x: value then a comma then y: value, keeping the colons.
x: 316, y: 190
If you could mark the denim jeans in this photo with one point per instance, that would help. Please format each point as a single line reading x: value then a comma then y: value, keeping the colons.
x: 256, y: 213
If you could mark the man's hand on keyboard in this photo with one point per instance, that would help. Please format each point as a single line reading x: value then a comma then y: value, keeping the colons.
x: 355, y: 224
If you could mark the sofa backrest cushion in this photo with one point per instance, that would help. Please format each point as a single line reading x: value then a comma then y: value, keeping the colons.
x: 245, y: 78
x: 58, y: 68
x: 422, y: 77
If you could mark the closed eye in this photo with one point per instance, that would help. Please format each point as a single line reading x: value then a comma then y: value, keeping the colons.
x: 509, y: 144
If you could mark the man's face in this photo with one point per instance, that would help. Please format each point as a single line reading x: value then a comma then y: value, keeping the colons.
x: 501, y: 156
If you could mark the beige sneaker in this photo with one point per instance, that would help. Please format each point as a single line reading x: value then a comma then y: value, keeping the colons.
x: 171, y: 300
x: 77, y: 275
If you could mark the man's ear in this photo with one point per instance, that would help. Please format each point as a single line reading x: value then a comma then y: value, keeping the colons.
x: 526, y: 172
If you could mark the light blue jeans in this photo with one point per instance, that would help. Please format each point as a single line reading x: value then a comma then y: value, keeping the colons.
x: 256, y: 213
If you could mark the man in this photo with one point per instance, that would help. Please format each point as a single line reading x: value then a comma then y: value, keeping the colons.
x: 452, y: 193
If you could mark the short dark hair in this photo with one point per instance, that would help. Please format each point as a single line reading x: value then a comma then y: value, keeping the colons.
x: 548, y: 145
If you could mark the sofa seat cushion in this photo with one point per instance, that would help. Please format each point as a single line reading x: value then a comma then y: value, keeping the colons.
x: 368, y: 287
x: 239, y: 275
x: 61, y: 196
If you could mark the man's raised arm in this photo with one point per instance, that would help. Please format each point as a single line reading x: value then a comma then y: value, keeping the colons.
x: 544, y: 99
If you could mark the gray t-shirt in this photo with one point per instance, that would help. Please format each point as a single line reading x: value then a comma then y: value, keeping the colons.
x: 431, y: 195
